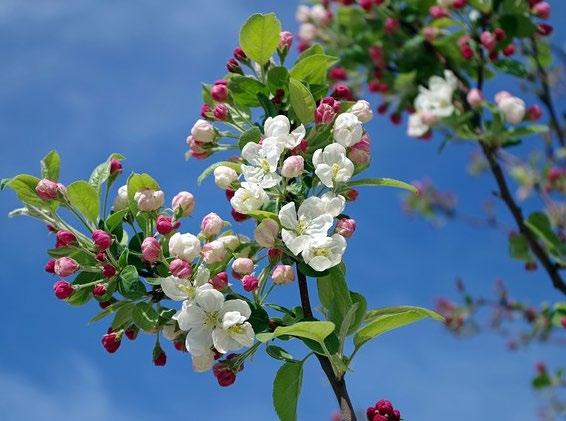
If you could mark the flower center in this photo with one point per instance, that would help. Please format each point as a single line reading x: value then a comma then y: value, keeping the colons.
x: 335, y: 169
x: 302, y: 226
x: 187, y: 289
x: 323, y: 251
x: 264, y: 164
x: 211, y: 319
x: 236, y: 329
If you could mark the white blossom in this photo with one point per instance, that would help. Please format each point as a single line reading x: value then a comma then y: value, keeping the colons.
x: 416, y: 126
x: 512, y: 108
x: 179, y: 289
x: 224, y: 176
x: 248, y: 198
x: 347, y: 129
x: 149, y: 200
x: 121, y: 201
x: 263, y: 160
x: 204, y: 362
x: 332, y: 166
x: 279, y: 127
x: 322, y: 253
x: 362, y: 110
x: 333, y: 204
x: 184, y: 246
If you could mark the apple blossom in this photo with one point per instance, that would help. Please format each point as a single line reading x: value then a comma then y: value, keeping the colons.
x: 474, y: 98
x: 266, y: 232
x: 346, y: 227
x: 65, y: 266
x: 293, y: 166
x: 101, y: 239
x: 115, y: 167
x: 50, y: 266
x: 231, y: 242
x: 213, y: 252
x: 219, y: 92
x: 224, y: 176
x: 47, y: 189
x: 279, y: 127
x: 331, y: 165
x: 111, y: 341
x: 243, y: 266
x: 184, y: 246
x: 121, y: 201
x: 149, y: 200
x: 307, y: 32
x: 203, y: 131
x: 213, y: 321
x: 219, y: 281
x: 324, y: 113
x: 203, y: 362
x: 362, y: 110
x: 285, y: 39
x: 360, y: 152
x: 211, y: 225
x: 164, y: 224
x: 221, y: 112
x: 322, y: 253
x: 248, y: 198
x: 263, y: 160
x: 151, y: 249
x: 65, y: 238
x: 250, y: 283
x: 347, y: 129
x: 300, y: 227
x: 179, y: 289
x: 437, y: 98
x: 99, y: 290
x: 332, y: 204
x: 183, y: 202
x: 108, y: 271
x: 180, y: 268
x: 512, y: 108
x: 283, y: 274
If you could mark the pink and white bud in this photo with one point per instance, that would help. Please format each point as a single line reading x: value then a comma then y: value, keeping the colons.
x: 231, y: 242
x: 438, y: 12
x: 283, y: 274
x: 149, y: 200
x: 121, y: 200
x: 63, y: 289
x: 211, y: 225
x: 474, y: 98
x: 220, y: 281
x: 360, y: 153
x: 101, y: 239
x: 183, y: 202
x: 430, y: 33
x: 164, y: 224
x: 429, y: 118
x: 221, y: 112
x: 541, y: 10
x: 391, y: 24
x: 151, y: 249
x: 47, y: 189
x: 250, y: 283
x: 266, y: 232
x: 65, y: 266
x: 203, y: 131
x: 219, y: 92
x: 285, y: 40
x: 115, y: 166
x: 308, y: 32
x: 64, y: 238
x: 99, y: 290
x: 293, y: 166
x: 324, y: 114
x: 224, y: 176
x: 180, y: 269
x: 362, y: 110
x: 512, y: 108
x: 501, y: 95
x: 274, y: 254
x: 346, y: 227
x: 488, y: 40
x: 243, y: 266
x: 213, y: 252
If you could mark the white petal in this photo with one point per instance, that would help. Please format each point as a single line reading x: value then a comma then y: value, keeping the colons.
x: 199, y: 340
x: 210, y: 300
x: 237, y: 305
x: 223, y: 341
x: 288, y: 216
x: 250, y: 152
x: 204, y: 362
x: 170, y: 287
x: 190, y: 317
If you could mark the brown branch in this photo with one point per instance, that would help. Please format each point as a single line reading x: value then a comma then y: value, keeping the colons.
x: 338, y: 383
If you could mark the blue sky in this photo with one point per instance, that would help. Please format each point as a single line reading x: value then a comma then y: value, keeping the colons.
x: 89, y: 78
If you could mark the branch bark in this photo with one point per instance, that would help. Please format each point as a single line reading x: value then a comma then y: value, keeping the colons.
x: 338, y: 384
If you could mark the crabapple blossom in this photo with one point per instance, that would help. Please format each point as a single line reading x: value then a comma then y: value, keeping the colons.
x: 121, y: 200
x: 322, y: 253
x: 203, y: 131
x: 347, y: 129
x: 65, y: 238
x: 164, y: 224
x: 474, y: 98
x: 285, y: 40
x: 47, y: 189
x: 332, y: 204
x: 360, y: 152
x: 248, y: 198
x: 231, y: 242
x: 180, y: 268
x: 179, y: 289
x: 279, y: 127
x: 151, y: 249
x: 65, y: 266
x: 332, y: 166
x: 263, y: 160
x: 149, y: 200
x: 184, y: 246
x: 283, y: 274
x: 346, y: 227
x: 203, y: 362
x: 213, y: 252
x: 362, y: 110
x: 512, y: 108
x: 183, y: 202
x: 211, y: 225
x: 219, y: 281
x: 63, y: 289
x: 224, y: 176
x: 293, y: 166
x: 101, y: 239
x: 266, y: 232
x: 250, y: 283
x: 243, y: 266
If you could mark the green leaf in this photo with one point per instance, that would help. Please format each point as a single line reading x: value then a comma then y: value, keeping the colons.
x: 286, y: 390
x: 390, y: 318
x: 512, y: 67
x: 137, y: 182
x: 251, y: 135
x: 483, y: 6
x: 311, y: 51
x: 115, y: 219
x: 519, y: 132
x: 517, y: 25
x: 107, y: 311
x: 102, y: 172
x: 540, y: 225
x: 405, y: 81
x: 123, y: 316
x: 245, y: 89
x: 50, y: 166
x: 334, y: 294
x: 519, y: 248
x: 315, y: 331
x: 209, y: 170
x: 129, y: 284
x: 358, y: 318
x: 145, y: 317
x: 261, y: 215
x: 313, y: 69
x: 24, y: 186
x: 302, y: 101
x: 279, y: 353
x: 82, y: 257
x: 259, y: 37
x: 84, y: 198
x: 385, y: 182
x: 277, y: 78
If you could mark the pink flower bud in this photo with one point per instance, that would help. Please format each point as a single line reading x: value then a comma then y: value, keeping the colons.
x: 545, y: 29
x: 351, y: 195
x: 99, y: 290
x: 501, y: 96
x: 499, y: 34
x: 541, y: 10
x: 459, y: 4
x: 438, y: 12
x: 360, y: 153
x: 274, y: 254
x: 285, y: 40
x: 102, y: 239
x: 430, y: 33
x: 151, y: 250
x: 180, y: 269
x: 111, y: 341
x: 342, y: 91
x: 376, y: 55
x: 115, y: 166
x: 211, y: 225
x: 250, y: 283
x: 233, y: 66
x: 239, y: 54
x: 213, y: 252
x: 293, y: 166
x: 338, y: 73
x: 50, y: 266
x: 164, y: 224
x: 301, y: 148
x: 63, y: 289
x: 149, y: 200
x: 509, y: 50
x: 159, y: 358
x: 224, y: 176
x: 346, y: 227
x: 221, y: 112
x: 324, y: 114
x: 204, y: 110
x: 488, y: 40
x: 243, y: 266
x: 183, y: 202
x: 224, y: 374
x: 395, y: 118
x: 266, y: 232
x: 466, y: 51
x: 47, y: 189
x: 108, y: 271
x: 220, y: 281
x: 203, y: 131
x: 132, y: 333
x: 65, y: 238
x: 391, y: 25
x: 534, y: 112
x: 474, y: 98
x: 219, y: 93
x: 283, y: 274
x: 65, y: 266
x: 367, y: 5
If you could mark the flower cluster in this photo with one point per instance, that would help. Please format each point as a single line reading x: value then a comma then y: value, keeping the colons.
x: 383, y: 410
